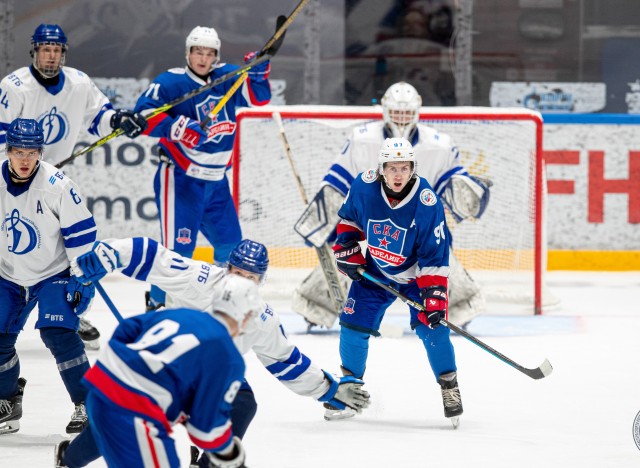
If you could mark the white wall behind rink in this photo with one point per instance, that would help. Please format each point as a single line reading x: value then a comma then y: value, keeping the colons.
x: 587, y: 164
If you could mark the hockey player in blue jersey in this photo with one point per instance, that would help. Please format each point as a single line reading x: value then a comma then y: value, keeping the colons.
x: 191, y: 187
x: 161, y: 369
x: 65, y: 102
x: 45, y: 223
x: 402, y: 220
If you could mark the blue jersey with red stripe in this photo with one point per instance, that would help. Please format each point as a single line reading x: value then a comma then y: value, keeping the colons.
x: 210, y: 159
x: 406, y: 240
x: 177, y: 365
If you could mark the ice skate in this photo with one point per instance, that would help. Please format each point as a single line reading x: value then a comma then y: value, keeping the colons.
x: 58, y: 453
x: 89, y: 334
x: 451, y: 397
x: 331, y: 413
x: 11, y: 410
x: 79, y: 420
x: 150, y: 304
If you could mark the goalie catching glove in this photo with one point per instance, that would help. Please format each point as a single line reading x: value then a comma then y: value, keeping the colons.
x: 95, y: 264
x: 345, y: 391
x: 435, y: 304
x: 466, y: 196
x: 349, y: 258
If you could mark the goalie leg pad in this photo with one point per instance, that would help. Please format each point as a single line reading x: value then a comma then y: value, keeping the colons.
x: 466, y: 300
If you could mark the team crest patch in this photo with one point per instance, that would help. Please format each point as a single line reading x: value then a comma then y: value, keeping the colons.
x: 348, y: 306
x: 370, y: 176
x: 428, y: 197
x: 386, y: 242
x: 184, y: 236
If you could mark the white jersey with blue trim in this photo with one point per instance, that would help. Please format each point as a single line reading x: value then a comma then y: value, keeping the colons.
x: 436, y: 155
x: 173, y: 365
x: 45, y: 224
x: 404, y: 241
x: 190, y: 283
x: 63, y: 110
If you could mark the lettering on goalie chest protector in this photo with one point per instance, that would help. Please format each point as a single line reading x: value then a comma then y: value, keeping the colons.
x: 386, y: 242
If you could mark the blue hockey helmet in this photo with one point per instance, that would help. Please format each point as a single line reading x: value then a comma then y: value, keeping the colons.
x: 25, y: 133
x: 250, y: 256
x: 48, y: 34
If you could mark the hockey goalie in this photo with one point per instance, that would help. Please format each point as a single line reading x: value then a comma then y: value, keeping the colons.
x: 465, y: 197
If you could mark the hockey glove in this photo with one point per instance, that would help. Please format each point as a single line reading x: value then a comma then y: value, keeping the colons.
x: 345, y: 391
x: 435, y: 303
x: 95, y: 264
x: 349, y: 258
x: 187, y: 131
x: 131, y: 123
x: 261, y: 71
x: 234, y: 460
x: 80, y: 295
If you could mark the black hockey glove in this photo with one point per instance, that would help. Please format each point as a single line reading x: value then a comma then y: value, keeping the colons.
x: 131, y: 123
x: 435, y: 303
x: 349, y: 258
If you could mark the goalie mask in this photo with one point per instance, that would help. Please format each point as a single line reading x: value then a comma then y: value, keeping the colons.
x: 48, y: 34
x: 201, y: 36
x: 252, y: 257
x: 401, y: 109
x: 238, y: 298
x: 396, y: 150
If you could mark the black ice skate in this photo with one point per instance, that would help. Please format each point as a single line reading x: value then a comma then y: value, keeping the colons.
x: 150, y: 304
x: 11, y: 410
x: 79, y: 420
x: 58, y: 453
x: 451, y: 397
x: 89, y: 334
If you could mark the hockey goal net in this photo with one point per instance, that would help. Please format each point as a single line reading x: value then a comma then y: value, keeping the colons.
x: 504, y: 251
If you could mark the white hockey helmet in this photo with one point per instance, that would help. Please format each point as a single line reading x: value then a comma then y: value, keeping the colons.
x: 203, y: 37
x: 401, y: 109
x: 237, y: 297
x: 396, y: 150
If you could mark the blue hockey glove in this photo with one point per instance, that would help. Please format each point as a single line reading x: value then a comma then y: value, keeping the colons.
x: 80, y: 295
x: 345, y: 391
x: 95, y: 264
x: 131, y: 123
x: 187, y: 131
x: 435, y: 303
x: 349, y: 258
x: 261, y: 71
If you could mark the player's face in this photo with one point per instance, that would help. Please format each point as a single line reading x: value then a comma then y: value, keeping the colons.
x: 245, y: 274
x: 201, y: 59
x: 23, y: 160
x: 48, y: 57
x: 397, y: 174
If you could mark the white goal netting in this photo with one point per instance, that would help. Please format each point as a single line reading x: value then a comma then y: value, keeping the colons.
x: 504, y: 250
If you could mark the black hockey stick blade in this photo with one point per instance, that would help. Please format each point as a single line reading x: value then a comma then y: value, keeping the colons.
x: 273, y: 49
x: 537, y: 373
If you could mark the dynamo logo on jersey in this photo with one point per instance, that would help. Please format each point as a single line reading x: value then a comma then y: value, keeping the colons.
x: 22, y: 234
x: 55, y: 126
x: 386, y: 242
x: 220, y: 125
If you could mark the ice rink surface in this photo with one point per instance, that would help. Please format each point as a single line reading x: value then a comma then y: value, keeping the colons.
x: 581, y: 415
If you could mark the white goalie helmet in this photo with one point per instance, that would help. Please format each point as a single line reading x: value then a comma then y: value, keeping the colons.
x: 396, y: 150
x: 203, y: 37
x: 401, y: 109
x: 237, y: 297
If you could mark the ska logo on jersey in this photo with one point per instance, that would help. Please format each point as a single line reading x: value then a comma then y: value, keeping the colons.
x: 386, y: 242
x: 22, y: 234
x: 221, y: 125
x: 428, y: 198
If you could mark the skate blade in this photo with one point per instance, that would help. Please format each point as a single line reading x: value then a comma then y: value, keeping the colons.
x: 9, y: 427
x: 93, y: 345
x: 332, y: 415
x: 455, y: 421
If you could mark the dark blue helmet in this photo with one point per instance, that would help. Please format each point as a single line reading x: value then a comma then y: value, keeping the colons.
x: 25, y: 133
x: 49, y: 34
x: 250, y: 256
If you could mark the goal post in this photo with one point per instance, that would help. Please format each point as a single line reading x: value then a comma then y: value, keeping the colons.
x: 505, y: 250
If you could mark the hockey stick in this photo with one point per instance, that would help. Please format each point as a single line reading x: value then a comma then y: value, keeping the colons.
x: 324, y: 253
x: 270, y: 48
x: 540, y: 372
x: 169, y: 105
x: 109, y: 302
